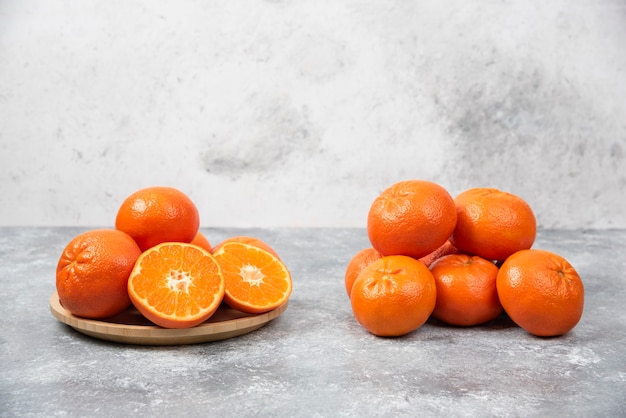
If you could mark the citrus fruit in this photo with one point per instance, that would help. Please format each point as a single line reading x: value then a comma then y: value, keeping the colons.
x: 541, y: 292
x: 412, y: 217
x: 201, y: 241
x: 393, y: 296
x: 248, y: 240
x: 176, y: 285
x: 466, y: 290
x: 493, y: 224
x: 158, y: 214
x: 92, y: 273
x: 256, y: 280
x: 445, y: 249
x: 357, y: 263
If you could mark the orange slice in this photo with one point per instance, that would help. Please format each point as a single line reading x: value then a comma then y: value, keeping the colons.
x: 256, y: 280
x: 176, y: 285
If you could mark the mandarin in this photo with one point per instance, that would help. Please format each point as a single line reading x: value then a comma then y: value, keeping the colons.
x: 492, y: 224
x: 466, y: 290
x: 393, y: 296
x: 412, y: 217
x: 176, y: 285
x: 158, y: 214
x: 541, y: 292
x: 92, y: 273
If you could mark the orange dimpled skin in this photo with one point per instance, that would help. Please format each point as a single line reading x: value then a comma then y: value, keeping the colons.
x: 158, y: 214
x: 412, y: 218
x: 541, y: 292
x: 92, y: 273
x: 176, y: 285
x: 256, y: 280
x: 466, y: 290
x: 493, y: 224
x: 393, y: 296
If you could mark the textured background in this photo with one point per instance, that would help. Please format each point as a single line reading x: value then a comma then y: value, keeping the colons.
x: 298, y: 113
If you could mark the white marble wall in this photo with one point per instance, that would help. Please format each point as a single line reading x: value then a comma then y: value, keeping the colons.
x: 298, y: 113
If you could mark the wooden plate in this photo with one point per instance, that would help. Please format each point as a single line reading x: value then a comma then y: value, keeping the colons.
x: 130, y: 327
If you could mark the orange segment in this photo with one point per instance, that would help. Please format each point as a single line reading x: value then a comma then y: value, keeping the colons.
x: 176, y: 285
x: 256, y: 280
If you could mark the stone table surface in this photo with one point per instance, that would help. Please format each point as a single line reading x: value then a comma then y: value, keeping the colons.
x: 315, y: 359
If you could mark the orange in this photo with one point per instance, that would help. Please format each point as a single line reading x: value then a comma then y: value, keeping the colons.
x: 360, y: 260
x: 256, y: 280
x: 393, y: 296
x: 92, y: 273
x: 541, y: 292
x: 248, y: 240
x: 412, y: 217
x: 201, y: 241
x: 445, y: 249
x: 158, y: 214
x: 493, y: 224
x: 466, y: 290
x: 176, y: 285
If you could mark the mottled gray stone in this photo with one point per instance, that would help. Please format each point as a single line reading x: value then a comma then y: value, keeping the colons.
x: 314, y: 360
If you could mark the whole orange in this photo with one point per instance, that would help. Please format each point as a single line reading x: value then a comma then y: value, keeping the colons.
x: 393, y: 296
x: 466, y: 290
x: 356, y: 265
x: 541, y: 292
x: 493, y: 224
x: 155, y: 215
x: 92, y: 273
x: 412, y: 217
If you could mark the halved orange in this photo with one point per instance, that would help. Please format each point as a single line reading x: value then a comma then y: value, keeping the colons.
x: 256, y: 280
x: 176, y: 285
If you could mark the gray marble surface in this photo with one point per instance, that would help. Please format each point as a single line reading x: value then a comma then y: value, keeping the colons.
x: 314, y: 360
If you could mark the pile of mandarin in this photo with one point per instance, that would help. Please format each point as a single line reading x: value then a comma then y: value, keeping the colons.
x: 157, y: 259
x: 463, y: 261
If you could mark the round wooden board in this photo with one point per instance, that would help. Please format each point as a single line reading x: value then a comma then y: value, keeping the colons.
x: 130, y: 327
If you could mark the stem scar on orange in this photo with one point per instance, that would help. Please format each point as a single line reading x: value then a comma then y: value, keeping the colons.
x: 176, y: 285
x: 256, y: 280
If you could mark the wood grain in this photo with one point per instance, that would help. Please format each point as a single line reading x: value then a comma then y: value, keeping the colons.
x: 130, y: 327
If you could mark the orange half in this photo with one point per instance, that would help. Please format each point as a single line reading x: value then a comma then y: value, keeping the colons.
x: 256, y: 280
x: 176, y: 285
